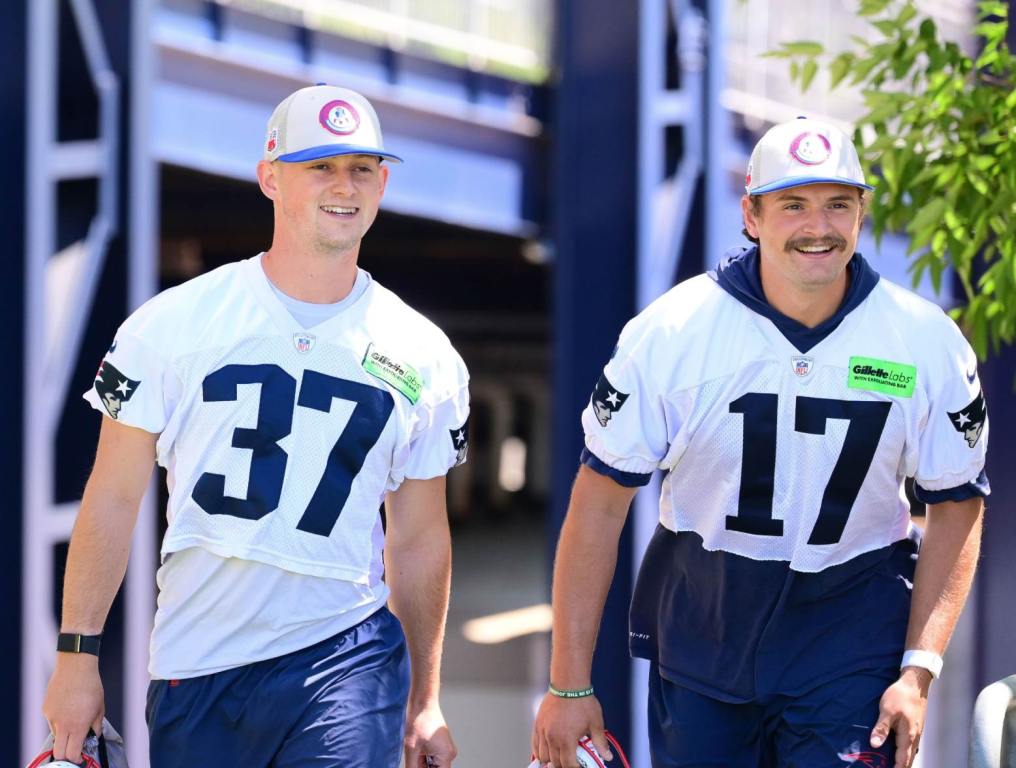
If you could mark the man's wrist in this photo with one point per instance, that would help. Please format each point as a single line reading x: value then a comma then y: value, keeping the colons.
x: 570, y: 693
x: 926, y: 660
x: 418, y: 702
x: 75, y: 643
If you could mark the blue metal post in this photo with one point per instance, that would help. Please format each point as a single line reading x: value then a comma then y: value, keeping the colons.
x: 13, y: 34
x: 595, y: 137
x: 996, y: 611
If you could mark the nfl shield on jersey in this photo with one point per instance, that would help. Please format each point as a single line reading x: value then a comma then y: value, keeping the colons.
x: 785, y: 449
x: 280, y: 442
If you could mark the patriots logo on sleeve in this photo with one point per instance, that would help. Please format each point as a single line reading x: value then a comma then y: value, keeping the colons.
x: 606, y: 400
x: 970, y: 420
x: 460, y: 439
x: 114, y: 388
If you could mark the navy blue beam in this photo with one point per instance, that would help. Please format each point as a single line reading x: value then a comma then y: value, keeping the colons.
x: 13, y: 37
x: 996, y: 614
x: 594, y: 126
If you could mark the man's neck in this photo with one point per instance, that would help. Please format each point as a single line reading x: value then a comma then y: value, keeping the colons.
x: 318, y: 278
x: 810, y: 308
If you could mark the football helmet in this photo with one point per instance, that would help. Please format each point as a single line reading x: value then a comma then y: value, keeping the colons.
x: 588, y: 757
x: 44, y: 760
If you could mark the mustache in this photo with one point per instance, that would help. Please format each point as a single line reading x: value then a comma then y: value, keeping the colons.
x: 827, y: 242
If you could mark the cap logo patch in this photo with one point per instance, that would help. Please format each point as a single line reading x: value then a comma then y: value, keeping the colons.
x: 339, y: 117
x: 811, y: 148
x: 273, y: 140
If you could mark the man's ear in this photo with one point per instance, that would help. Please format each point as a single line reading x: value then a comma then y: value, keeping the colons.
x: 383, y: 175
x: 749, y: 218
x: 268, y: 180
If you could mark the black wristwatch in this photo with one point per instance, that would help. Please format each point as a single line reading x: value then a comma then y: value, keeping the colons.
x: 69, y: 643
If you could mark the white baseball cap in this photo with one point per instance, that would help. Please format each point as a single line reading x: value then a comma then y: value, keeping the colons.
x: 324, y: 121
x: 803, y: 151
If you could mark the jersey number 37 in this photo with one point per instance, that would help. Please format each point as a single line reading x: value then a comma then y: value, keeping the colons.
x: 276, y: 406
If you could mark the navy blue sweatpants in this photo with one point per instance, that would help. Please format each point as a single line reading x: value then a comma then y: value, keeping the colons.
x: 340, y: 702
x: 826, y: 727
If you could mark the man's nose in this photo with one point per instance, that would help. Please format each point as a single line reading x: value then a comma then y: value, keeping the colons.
x: 817, y: 223
x: 343, y: 182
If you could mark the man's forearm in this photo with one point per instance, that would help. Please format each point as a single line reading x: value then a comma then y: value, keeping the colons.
x: 945, y: 570
x: 583, y: 569
x: 420, y: 580
x: 96, y: 562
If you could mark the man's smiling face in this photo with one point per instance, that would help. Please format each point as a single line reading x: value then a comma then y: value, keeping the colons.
x: 330, y: 203
x: 807, y: 234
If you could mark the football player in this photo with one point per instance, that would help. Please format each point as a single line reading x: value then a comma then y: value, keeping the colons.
x: 787, y: 395
x: 286, y: 395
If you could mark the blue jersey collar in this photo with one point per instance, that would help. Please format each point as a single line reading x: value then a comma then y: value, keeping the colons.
x: 738, y: 274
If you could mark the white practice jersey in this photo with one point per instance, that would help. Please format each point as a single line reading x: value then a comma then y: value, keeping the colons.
x: 777, y: 454
x: 280, y: 442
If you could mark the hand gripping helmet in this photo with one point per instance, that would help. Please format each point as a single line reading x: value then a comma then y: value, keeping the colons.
x: 105, y: 751
x: 587, y: 755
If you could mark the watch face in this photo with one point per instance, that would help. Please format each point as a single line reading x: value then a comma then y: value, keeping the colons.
x: 71, y: 643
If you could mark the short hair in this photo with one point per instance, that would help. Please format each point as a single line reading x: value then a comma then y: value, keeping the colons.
x: 756, y: 209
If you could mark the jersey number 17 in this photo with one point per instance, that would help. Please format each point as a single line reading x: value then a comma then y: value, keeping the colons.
x: 758, y: 467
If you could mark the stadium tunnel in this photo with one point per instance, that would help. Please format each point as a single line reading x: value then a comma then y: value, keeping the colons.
x: 526, y: 222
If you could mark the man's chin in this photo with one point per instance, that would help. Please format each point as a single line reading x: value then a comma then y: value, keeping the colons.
x: 337, y: 247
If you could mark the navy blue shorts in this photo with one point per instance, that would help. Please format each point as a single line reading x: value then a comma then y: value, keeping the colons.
x: 340, y: 702
x: 826, y: 727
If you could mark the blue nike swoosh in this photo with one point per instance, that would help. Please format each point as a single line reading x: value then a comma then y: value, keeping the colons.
x: 972, y: 376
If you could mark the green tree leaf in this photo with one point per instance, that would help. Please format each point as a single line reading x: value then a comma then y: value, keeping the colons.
x: 941, y: 143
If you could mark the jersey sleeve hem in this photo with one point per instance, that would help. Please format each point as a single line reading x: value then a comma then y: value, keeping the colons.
x: 427, y: 474
x: 93, y: 400
x: 636, y: 464
x: 627, y: 479
x: 978, y: 487
x: 953, y: 480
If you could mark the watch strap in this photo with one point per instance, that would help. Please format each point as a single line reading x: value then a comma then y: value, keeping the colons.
x: 71, y: 643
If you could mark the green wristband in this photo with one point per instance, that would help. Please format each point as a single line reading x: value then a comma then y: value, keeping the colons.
x: 579, y: 694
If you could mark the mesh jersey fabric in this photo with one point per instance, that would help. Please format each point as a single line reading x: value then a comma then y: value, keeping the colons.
x: 784, y: 555
x: 206, y: 621
x: 747, y: 427
x: 278, y: 441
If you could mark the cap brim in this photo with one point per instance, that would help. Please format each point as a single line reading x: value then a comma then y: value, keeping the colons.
x: 334, y: 150
x: 800, y: 181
